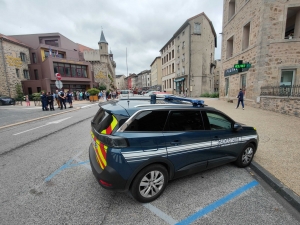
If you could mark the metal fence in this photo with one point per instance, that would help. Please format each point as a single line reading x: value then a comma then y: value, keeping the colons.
x: 283, y: 90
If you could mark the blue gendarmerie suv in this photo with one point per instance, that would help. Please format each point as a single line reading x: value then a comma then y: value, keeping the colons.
x: 139, y: 146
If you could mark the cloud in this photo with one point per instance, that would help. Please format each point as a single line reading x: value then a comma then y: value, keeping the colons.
x: 143, y: 27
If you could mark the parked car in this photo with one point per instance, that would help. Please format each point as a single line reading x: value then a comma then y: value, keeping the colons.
x: 157, y: 93
x: 126, y: 93
x: 5, y: 100
x: 139, y: 146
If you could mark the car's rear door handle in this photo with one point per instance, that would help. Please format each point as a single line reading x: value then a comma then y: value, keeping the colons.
x: 175, y: 142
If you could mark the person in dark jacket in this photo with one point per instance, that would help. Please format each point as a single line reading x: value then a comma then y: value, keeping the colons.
x: 69, y: 99
x: 50, y: 101
x: 62, y: 99
x: 44, y: 101
x: 240, y: 99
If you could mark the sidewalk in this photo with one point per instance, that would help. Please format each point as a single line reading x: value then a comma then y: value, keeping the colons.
x: 278, y: 152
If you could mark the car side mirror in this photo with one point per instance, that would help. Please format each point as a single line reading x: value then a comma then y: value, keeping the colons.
x: 237, y: 127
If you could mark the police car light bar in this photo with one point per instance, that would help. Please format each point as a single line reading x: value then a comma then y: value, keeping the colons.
x: 195, y: 102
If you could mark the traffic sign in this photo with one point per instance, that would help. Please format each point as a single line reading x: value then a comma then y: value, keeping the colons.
x: 59, y: 84
x: 58, y: 76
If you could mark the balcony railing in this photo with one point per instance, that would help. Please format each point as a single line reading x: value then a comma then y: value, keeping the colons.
x: 283, y: 90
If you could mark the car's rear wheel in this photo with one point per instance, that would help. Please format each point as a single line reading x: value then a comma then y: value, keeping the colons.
x: 150, y: 183
x: 246, y: 156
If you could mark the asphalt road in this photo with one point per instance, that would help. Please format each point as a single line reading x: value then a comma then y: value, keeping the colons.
x: 46, y: 179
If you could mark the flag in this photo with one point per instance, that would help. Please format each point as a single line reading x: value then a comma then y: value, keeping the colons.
x: 50, y: 52
x: 56, y: 53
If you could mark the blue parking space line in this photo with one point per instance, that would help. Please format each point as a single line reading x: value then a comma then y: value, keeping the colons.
x: 218, y: 203
x: 65, y: 166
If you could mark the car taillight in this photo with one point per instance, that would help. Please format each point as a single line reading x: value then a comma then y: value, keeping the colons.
x: 105, y: 183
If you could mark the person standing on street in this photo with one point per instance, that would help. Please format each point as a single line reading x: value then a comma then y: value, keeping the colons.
x: 240, y: 99
x: 50, y: 101
x: 27, y: 100
x: 57, y: 99
x: 69, y: 99
x: 44, y: 101
x: 62, y: 100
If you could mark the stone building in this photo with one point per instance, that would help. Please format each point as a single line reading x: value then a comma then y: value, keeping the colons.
x: 145, y: 79
x: 103, y: 64
x: 217, y: 72
x: 52, y: 53
x: 265, y: 34
x: 188, y: 58
x: 156, y: 71
x: 14, y: 60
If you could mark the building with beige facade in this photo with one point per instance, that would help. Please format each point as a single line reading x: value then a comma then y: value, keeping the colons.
x: 14, y: 60
x: 188, y: 58
x: 103, y: 64
x: 121, y: 82
x: 265, y: 34
x: 156, y: 71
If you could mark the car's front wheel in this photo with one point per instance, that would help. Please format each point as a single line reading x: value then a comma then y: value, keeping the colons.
x: 150, y: 183
x: 246, y: 156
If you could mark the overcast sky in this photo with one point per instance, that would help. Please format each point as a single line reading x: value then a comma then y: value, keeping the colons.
x: 141, y: 26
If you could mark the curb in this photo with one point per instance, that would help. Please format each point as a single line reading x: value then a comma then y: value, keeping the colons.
x: 292, y: 198
x: 43, y: 117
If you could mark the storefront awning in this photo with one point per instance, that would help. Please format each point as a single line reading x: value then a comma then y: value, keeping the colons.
x: 179, y: 79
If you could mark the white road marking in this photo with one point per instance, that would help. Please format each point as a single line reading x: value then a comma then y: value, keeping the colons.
x: 88, y: 105
x: 53, y: 122
x: 160, y: 213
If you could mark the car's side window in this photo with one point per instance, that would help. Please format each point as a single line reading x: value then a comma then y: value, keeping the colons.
x: 149, y: 121
x: 185, y: 121
x: 218, y: 122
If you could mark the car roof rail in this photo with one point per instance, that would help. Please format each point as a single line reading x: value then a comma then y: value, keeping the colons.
x: 195, y: 102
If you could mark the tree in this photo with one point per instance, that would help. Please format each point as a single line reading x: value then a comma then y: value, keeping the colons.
x: 102, y: 87
x: 19, y: 92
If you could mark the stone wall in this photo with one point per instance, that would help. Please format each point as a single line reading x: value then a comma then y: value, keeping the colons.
x: 12, y: 61
x: 285, y: 105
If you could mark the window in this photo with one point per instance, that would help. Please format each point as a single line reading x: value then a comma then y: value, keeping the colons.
x: 226, y: 86
x: 291, y: 29
x: 243, y: 81
x: 148, y: 121
x: 52, y: 42
x: 218, y: 122
x: 38, y: 89
x: 246, y: 36
x: 183, y: 44
x: 185, y: 121
x: 173, y: 54
x: 30, y: 91
x: 229, y: 50
x: 26, y: 74
x: 183, y: 57
x: 36, y: 75
x: 183, y: 70
x: 287, y: 77
x: 23, y: 57
x: 69, y: 70
x: 173, y: 70
x: 182, y: 33
x: 18, y: 72
x: 34, y: 58
x: 169, y: 55
x: 231, y: 9
x: 197, y: 28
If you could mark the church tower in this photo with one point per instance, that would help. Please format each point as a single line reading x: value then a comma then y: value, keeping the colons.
x: 103, y: 45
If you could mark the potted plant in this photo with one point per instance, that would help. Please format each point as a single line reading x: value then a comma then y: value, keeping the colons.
x: 93, y: 94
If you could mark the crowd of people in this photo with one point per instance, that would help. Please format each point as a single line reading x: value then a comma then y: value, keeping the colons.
x: 62, y: 98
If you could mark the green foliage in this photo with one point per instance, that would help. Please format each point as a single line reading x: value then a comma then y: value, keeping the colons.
x: 112, y: 86
x: 93, y: 91
x: 36, y: 96
x: 213, y: 95
x: 102, y: 87
x: 19, y: 92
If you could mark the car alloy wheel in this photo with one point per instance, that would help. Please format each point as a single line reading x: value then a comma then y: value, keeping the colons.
x: 246, y: 156
x: 149, y: 183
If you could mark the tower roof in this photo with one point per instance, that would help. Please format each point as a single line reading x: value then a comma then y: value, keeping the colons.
x: 102, y: 39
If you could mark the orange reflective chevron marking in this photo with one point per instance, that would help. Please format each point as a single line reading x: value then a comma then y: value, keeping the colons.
x: 99, y: 147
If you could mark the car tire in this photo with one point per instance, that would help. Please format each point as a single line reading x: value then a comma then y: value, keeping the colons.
x: 150, y: 183
x: 246, y: 156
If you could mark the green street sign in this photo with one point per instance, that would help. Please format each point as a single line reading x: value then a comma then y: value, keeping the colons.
x: 242, y: 66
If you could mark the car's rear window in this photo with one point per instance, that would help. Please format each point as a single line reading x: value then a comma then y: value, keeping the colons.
x: 101, y: 120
